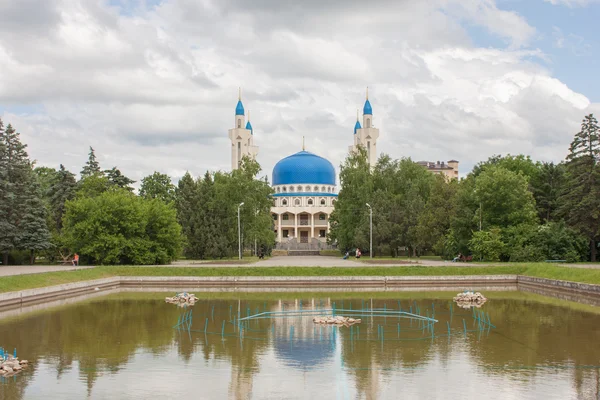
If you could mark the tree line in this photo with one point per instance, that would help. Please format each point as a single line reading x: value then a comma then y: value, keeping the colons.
x: 50, y: 213
x: 508, y: 208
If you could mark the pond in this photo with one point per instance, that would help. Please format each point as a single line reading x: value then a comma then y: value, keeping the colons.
x: 133, y: 345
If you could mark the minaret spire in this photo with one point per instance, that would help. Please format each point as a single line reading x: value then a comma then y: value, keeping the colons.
x: 303, y: 148
x: 367, y: 93
x: 248, y: 115
x: 357, y: 114
x: 240, y: 93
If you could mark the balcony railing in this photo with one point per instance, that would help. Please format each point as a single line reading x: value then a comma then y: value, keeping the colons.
x: 303, y: 222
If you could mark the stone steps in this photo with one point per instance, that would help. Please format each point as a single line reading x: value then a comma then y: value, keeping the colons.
x: 303, y: 252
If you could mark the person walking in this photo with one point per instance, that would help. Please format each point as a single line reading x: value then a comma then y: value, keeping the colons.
x: 76, y: 260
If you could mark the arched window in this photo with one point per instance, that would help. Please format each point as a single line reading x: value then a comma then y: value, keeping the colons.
x: 333, y: 202
x: 322, y: 202
x: 316, y: 189
x: 297, y: 202
x: 328, y: 190
x: 284, y: 189
x: 323, y: 189
x: 310, y: 202
x: 284, y: 202
x: 307, y: 189
x: 291, y: 188
x: 368, y: 122
x: 299, y: 188
x: 278, y: 190
x: 239, y: 123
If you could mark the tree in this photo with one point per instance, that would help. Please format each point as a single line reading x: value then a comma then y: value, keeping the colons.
x: 434, y: 222
x: 504, y: 199
x: 487, y: 245
x: 547, y: 187
x: 116, y: 178
x: 117, y: 227
x: 15, y: 179
x: 581, y: 198
x: 59, y: 192
x: 158, y: 186
x: 348, y: 218
x: 34, y: 235
x: 92, y: 167
x: 185, y: 204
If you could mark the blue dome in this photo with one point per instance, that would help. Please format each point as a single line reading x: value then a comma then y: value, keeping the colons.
x: 367, y: 110
x: 249, y: 126
x: 357, y: 126
x: 239, y: 109
x: 304, y: 167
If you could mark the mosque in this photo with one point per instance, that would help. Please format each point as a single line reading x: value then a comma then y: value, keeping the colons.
x: 304, y: 183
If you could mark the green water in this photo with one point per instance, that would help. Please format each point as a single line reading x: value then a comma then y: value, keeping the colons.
x: 124, y: 346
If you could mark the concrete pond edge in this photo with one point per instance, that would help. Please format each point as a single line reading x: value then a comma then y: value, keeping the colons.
x: 27, y: 296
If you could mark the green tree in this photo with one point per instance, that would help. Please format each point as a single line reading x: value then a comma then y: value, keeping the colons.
x: 92, y: 166
x: 92, y: 186
x: 349, y: 221
x: 504, y: 199
x: 117, y: 227
x: 116, y: 178
x: 434, y: 222
x: 581, y: 198
x: 158, y: 186
x: 34, y: 234
x: 487, y: 245
x: 45, y: 177
x: 186, y: 205
x: 60, y: 191
x: 15, y: 180
x: 547, y: 187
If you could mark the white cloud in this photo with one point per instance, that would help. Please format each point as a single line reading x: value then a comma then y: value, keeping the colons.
x: 572, y: 3
x: 155, y: 89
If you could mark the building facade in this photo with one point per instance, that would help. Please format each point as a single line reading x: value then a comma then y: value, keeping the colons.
x: 448, y: 169
x: 304, y: 183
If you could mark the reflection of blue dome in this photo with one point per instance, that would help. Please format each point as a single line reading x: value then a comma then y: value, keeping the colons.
x: 356, y: 126
x: 367, y: 110
x: 249, y: 126
x: 304, y: 167
x: 303, y: 353
x: 239, y: 109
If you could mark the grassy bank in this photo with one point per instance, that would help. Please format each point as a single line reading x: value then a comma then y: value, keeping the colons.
x: 20, y: 282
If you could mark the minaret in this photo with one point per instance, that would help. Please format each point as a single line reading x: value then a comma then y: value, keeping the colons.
x: 367, y: 135
x: 241, y: 136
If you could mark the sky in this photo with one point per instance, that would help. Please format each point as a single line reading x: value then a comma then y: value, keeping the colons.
x: 152, y: 85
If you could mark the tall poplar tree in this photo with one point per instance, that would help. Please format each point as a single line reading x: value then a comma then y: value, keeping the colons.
x: 581, y: 198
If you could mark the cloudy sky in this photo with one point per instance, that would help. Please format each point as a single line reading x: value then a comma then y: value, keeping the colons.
x: 153, y: 84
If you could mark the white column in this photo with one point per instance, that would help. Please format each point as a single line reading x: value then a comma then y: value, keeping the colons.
x: 312, y: 225
x: 296, y: 235
x: 279, y: 228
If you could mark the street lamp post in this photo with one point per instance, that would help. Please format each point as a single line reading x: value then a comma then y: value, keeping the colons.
x: 370, y: 231
x: 240, y: 232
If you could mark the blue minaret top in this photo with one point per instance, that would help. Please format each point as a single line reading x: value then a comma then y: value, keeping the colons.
x: 249, y: 127
x: 357, y: 125
x: 239, y: 109
x: 367, y: 110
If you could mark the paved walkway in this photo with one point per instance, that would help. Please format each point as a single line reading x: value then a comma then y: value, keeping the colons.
x: 35, y: 269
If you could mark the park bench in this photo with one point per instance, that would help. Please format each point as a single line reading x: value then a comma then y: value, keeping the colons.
x: 556, y: 261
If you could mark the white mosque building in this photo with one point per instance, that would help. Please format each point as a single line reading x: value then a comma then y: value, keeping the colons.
x: 304, y: 183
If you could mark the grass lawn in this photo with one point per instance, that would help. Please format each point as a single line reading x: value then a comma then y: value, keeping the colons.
x: 543, y: 270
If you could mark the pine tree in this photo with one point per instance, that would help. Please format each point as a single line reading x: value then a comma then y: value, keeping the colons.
x: 15, y: 178
x: 92, y: 166
x: 60, y: 191
x: 581, y: 198
x: 33, y: 230
x: 116, y: 178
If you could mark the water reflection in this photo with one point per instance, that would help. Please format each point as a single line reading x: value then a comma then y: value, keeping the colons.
x: 124, y: 346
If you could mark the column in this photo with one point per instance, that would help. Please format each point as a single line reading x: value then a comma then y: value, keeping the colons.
x: 328, y: 226
x: 296, y: 235
x: 312, y: 226
x: 279, y: 228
